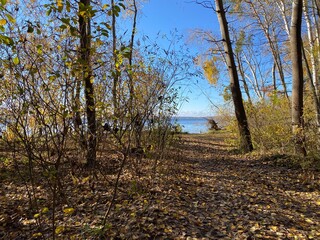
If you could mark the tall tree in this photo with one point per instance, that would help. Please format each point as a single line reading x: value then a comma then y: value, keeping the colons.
x: 297, y: 76
x: 116, y: 73
x: 313, y: 52
x: 85, y: 14
x: 245, y: 137
x: 265, y: 20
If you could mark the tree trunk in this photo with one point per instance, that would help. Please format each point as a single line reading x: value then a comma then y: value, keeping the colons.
x: 297, y: 77
x: 243, y: 76
x: 87, y: 77
x: 314, y: 71
x: 116, y: 69
x: 245, y: 137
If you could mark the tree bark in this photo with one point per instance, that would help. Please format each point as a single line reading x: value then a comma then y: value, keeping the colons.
x: 245, y: 137
x: 243, y: 76
x: 314, y: 70
x: 116, y: 70
x: 87, y: 77
x: 297, y: 77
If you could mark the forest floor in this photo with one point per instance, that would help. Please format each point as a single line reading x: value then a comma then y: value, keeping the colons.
x: 203, y: 190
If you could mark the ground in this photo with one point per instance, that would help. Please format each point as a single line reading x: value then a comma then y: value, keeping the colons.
x: 202, y: 190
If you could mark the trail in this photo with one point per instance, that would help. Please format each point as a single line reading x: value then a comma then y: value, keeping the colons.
x: 220, y: 195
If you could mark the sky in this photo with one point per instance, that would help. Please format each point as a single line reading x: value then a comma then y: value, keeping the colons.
x: 184, y: 15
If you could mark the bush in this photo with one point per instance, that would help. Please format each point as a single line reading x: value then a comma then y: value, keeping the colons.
x: 270, y: 123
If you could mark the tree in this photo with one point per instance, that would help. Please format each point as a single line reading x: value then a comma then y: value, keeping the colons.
x: 266, y: 21
x: 313, y: 52
x: 245, y: 137
x: 85, y: 13
x: 297, y: 77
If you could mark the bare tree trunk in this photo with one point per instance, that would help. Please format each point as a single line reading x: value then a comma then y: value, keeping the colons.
x: 243, y: 76
x: 87, y: 77
x: 274, y: 81
x: 245, y: 137
x: 135, y: 115
x: 116, y: 70
x: 133, y: 34
x: 313, y: 70
x: 313, y: 89
x: 297, y: 77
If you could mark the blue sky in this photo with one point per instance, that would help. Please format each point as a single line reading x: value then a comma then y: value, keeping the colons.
x: 166, y: 15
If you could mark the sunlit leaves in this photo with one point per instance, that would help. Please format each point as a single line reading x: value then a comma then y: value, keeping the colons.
x: 39, y: 49
x: 16, y: 60
x: 59, y: 5
x: 45, y: 210
x: 105, y: 6
x: 210, y: 70
x: 59, y: 229
x: 3, y: 22
x: 68, y: 211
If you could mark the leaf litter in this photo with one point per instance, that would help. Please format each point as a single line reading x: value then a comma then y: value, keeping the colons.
x: 201, y: 190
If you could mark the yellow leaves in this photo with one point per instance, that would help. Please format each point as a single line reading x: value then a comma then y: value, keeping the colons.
x: 308, y: 220
x: 105, y: 6
x: 92, y: 79
x: 59, y: 229
x: 36, y: 235
x: 255, y: 227
x: 273, y: 228
x: 3, y: 2
x: 77, y: 181
x: 45, y: 210
x: 82, y: 13
x: 85, y: 180
x: 68, y: 211
x: 16, y: 60
x: 39, y: 49
x: 3, y: 22
x: 59, y: 5
x: 132, y: 214
x: 37, y: 215
x: 210, y: 70
x: 168, y: 230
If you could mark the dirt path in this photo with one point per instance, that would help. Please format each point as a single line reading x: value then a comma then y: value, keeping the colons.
x: 218, y: 195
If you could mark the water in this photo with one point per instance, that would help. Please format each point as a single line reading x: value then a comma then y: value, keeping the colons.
x: 192, y: 124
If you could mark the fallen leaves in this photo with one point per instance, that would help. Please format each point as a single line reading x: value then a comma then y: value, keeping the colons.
x: 204, y: 193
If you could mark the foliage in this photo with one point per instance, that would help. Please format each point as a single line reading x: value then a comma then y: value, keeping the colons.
x: 200, y: 186
x: 211, y: 72
x: 44, y: 103
x: 270, y: 123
